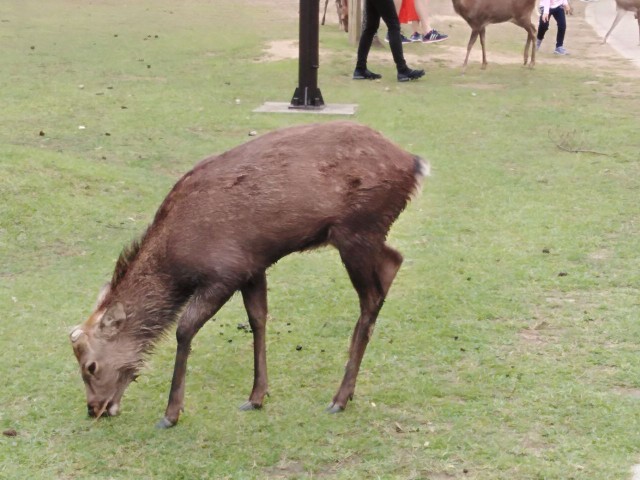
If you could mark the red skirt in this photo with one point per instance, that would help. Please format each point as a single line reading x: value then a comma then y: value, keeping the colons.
x: 408, y: 12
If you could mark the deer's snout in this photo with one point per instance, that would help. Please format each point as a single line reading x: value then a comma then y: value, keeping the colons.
x: 94, y: 409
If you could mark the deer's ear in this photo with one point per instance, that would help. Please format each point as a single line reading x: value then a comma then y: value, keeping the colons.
x: 113, y: 320
x: 104, y: 291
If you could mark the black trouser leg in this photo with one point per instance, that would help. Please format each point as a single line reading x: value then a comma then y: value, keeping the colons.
x: 374, y: 11
x: 369, y: 29
x: 542, y: 28
x: 561, y: 20
x: 389, y: 15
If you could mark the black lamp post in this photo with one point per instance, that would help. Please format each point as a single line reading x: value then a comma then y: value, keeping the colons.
x: 308, y: 96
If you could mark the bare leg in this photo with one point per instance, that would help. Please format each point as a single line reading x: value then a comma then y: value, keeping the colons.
x: 371, y: 274
x: 202, y: 306
x: 254, y: 295
x: 422, y: 7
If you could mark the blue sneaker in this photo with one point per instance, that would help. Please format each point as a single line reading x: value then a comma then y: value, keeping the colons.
x: 434, y: 36
x: 416, y: 37
x: 402, y: 37
x: 560, y: 51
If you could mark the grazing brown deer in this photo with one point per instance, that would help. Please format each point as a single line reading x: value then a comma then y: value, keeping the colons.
x: 219, y: 229
x: 623, y: 6
x: 480, y: 13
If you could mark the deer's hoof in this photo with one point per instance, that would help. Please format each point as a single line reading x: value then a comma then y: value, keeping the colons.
x: 334, y: 408
x: 247, y: 406
x: 165, y: 423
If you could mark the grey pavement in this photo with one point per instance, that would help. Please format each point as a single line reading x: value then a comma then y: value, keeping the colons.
x: 624, y: 38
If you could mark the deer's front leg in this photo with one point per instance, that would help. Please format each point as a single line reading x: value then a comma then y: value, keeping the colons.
x: 201, y: 307
x: 254, y: 295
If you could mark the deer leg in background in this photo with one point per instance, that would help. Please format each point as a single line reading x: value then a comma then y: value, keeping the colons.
x: 472, y: 40
x: 371, y: 274
x: 526, y: 24
x: 532, y: 41
x: 203, y: 304
x: 619, y: 14
x: 484, y: 51
x: 254, y: 295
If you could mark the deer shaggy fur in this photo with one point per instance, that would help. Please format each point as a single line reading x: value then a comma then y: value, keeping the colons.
x: 219, y: 229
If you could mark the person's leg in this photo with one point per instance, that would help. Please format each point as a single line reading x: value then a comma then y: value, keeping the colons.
x: 542, y: 28
x: 422, y: 7
x: 430, y: 35
x: 370, y: 27
x: 561, y: 20
x: 387, y: 10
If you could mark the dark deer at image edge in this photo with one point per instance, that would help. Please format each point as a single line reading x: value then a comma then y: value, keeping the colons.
x: 219, y: 229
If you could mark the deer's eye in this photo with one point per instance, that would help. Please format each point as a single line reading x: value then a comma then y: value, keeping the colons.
x: 91, y: 368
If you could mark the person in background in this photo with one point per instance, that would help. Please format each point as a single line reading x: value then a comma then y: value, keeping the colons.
x: 374, y: 10
x: 417, y: 12
x: 557, y: 9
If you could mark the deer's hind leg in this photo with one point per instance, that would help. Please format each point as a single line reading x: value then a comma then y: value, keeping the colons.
x: 484, y: 48
x: 371, y: 272
x: 619, y: 14
x: 526, y: 24
x: 531, y: 40
x: 254, y: 296
x: 472, y: 41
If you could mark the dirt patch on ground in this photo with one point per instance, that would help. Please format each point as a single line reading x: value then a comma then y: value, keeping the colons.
x: 531, y: 337
x: 283, y: 50
x: 285, y: 469
x: 628, y: 392
x: 279, y: 50
x: 481, y: 86
x: 581, y: 40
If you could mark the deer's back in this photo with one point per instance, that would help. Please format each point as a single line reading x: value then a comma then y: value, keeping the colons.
x: 280, y: 193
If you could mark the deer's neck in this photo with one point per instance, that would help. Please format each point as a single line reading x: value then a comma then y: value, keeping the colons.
x: 152, y: 303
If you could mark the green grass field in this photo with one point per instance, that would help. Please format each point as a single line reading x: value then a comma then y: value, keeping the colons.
x: 508, y: 346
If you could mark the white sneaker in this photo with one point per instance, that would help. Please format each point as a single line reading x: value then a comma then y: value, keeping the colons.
x: 560, y: 51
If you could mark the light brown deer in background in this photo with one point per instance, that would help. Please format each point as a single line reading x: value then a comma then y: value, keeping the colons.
x: 480, y: 13
x: 623, y: 6
x: 342, y: 8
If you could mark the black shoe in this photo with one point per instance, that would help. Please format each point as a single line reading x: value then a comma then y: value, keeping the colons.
x: 403, y: 39
x: 364, y: 74
x: 410, y: 74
